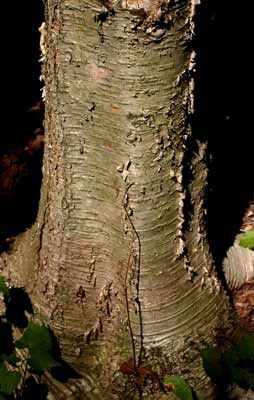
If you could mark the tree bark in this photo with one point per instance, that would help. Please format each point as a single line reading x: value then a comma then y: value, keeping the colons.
x: 238, y: 265
x: 121, y: 224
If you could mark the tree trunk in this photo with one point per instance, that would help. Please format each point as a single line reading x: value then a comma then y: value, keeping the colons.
x: 120, y: 244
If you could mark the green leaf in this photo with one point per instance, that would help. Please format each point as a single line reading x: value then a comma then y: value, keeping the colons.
x: 230, y: 358
x: 245, y: 347
x: 242, y: 376
x: 8, y: 380
x: 248, y: 240
x: 234, y: 361
x: 230, y: 361
x: 36, y: 337
x: 179, y: 386
x: 2, y: 397
x: 41, y: 361
x: 3, y: 287
x: 212, y: 363
x: 38, y: 340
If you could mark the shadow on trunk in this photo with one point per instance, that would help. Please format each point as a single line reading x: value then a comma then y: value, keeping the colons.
x: 224, y: 118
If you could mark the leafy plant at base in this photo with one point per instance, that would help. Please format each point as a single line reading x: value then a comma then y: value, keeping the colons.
x: 20, y: 375
x: 178, y: 385
x: 247, y: 240
x: 38, y: 340
x: 235, y: 364
x: 8, y: 380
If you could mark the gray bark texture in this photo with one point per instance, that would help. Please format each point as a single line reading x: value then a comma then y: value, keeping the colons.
x: 120, y: 243
x: 238, y: 265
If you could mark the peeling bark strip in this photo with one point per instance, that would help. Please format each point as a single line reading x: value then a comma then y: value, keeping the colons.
x: 150, y: 12
x: 147, y: 5
x: 151, y: 8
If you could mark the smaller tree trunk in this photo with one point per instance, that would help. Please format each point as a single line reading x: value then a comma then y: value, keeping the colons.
x: 238, y: 265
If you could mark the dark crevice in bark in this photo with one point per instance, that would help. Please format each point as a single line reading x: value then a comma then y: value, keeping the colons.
x: 188, y: 177
x: 21, y: 143
x: 224, y: 117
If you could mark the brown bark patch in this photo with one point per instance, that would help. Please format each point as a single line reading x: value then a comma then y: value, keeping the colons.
x: 244, y: 305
